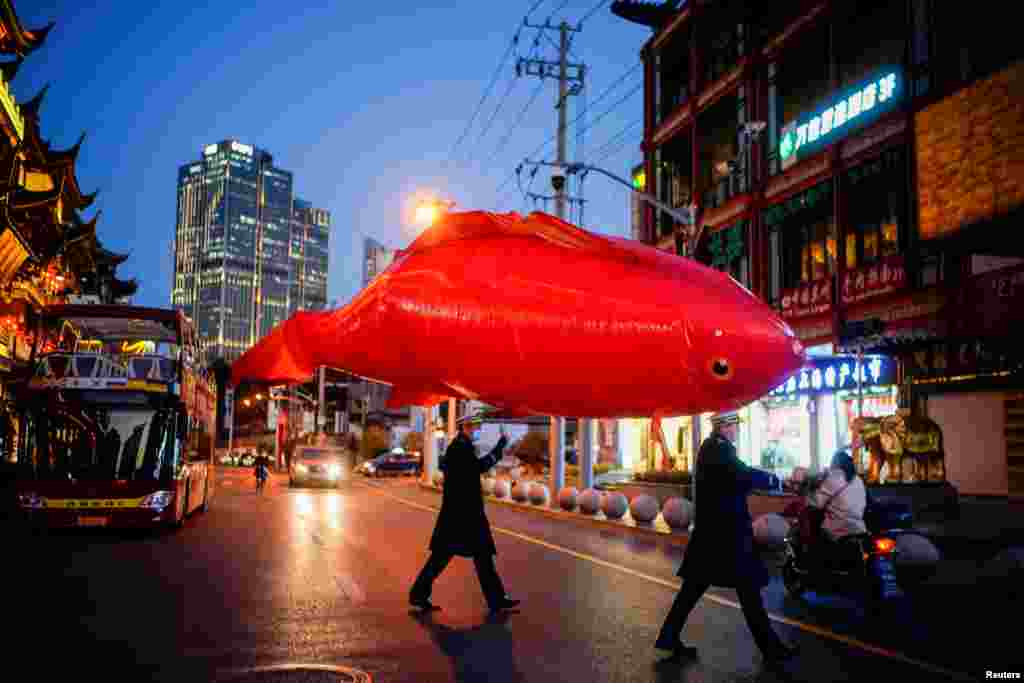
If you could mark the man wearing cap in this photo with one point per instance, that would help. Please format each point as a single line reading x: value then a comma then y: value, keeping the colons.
x: 721, y: 548
x: 462, y: 527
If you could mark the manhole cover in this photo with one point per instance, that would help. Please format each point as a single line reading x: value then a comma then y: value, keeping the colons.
x: 296, y: 673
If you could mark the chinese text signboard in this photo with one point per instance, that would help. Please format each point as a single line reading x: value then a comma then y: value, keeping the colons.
x: 819, y: 127
x: 837, y: 373
x: 807, y: 299
x: 870, y: 281
x: 995, y: 300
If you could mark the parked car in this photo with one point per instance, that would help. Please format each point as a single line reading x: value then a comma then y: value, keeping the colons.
x: 369, y: 468
x: 396, y: 465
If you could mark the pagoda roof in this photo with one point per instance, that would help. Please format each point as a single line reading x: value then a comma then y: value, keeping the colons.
x: 21, y: 199
x: 17, y: 39
x: 104, y: 255
x: 652, y: 14
x: 10, y: 69
x: 79, y: 243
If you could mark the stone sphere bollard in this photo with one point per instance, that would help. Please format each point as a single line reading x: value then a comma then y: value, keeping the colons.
x: 567, y: 498
x: 501, y: 488
x: 914, y: 550
x: 590, y: 502
x: 521, y: 491
x: 538, y: 494
x: 439, y: 478
x: 770, y: 530
x: 488, y: 485
x: 614, y: 505
x: 677, y: 513
x: 644, y: 509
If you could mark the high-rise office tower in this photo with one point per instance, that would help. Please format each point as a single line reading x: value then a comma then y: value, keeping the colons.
x: 376, y: 259
x: 247, y: 254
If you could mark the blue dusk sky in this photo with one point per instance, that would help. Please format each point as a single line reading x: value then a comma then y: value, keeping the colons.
x: 363, y: 102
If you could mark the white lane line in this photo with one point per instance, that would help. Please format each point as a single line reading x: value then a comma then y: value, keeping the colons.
x: 674, y: 585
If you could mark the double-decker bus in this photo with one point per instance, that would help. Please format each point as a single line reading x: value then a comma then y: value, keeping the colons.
x: 116, y: 420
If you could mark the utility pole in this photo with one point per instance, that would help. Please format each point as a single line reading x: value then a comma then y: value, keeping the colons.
x: 570, y: 82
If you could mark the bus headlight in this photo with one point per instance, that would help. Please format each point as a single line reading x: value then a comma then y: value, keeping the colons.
x: 157, y: 501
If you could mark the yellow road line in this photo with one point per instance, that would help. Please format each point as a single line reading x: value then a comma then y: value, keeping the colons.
x: 674, y: 585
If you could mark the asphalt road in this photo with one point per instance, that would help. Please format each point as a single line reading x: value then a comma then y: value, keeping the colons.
x: 321, y: 577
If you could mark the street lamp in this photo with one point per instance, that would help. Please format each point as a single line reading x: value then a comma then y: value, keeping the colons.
x: 429, y: 210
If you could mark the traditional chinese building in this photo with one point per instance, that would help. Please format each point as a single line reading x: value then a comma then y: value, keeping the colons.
x: 858, y: 166
x: 48, y: 252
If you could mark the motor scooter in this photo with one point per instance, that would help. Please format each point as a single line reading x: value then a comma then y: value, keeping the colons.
x: 861, y: 566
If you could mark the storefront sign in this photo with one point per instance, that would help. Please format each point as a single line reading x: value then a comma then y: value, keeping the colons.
x: 994, y: 300
x: 836, y: 373
x: 807, y: 299
x: 843, y: 114
x: 920, y: 305
x: 870, y: 281
x: 963, y: 359
x: 813, y: 329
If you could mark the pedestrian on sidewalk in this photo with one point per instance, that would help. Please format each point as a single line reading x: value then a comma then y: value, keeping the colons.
x: 462, y: 528
x: 721, y: 548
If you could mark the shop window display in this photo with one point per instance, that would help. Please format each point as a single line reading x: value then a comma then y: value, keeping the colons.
x: 787, y: 436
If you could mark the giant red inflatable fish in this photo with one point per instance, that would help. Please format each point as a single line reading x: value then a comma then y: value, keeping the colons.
x: 537, y: 316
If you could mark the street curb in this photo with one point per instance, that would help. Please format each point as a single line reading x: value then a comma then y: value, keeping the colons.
x: 658, y: 529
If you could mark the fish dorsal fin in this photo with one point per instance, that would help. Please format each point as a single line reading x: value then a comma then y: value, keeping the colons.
x: 478, y: 224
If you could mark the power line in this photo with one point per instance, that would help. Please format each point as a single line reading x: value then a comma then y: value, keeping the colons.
x: 522, y: 113
x: 594, y: 9
x: 615, y: 138
x: 614, y: 106
x: 487, y: 92
x: 490, y: 122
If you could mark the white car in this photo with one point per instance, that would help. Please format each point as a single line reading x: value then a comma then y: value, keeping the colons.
x: 320, y: 465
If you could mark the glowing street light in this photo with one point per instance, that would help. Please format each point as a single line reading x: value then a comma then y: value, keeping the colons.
x: 429, y: 210
x: 247, y: 403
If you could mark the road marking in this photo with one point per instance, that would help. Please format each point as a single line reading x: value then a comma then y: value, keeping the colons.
x: 674, y: 585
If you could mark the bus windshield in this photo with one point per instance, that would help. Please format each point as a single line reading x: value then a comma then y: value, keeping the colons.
x: 100, y: 440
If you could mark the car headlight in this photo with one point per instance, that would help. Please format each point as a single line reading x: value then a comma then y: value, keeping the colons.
x: 31, y: 499
x: 301, y: 469
x: 334, y: 470
x: 158, y: 500
x: 370, y: 468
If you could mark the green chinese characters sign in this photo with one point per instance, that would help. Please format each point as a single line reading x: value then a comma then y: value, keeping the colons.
x: 852, y: 110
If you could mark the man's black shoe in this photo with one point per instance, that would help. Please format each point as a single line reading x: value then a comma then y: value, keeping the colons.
x: 783, y: 653
x: 504, y: 603
x: 423, y: 604
x: 678, y: 650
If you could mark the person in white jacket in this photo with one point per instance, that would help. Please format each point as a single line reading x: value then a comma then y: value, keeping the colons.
x: 843, y: 497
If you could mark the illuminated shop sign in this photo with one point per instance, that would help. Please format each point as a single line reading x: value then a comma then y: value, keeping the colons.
x: 837, y: 373
x: 839, y: 117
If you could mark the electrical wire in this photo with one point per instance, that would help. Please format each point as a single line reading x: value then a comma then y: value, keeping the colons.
x: 519, y: 119
x: 616, y: 138
x: 483, y: 98
x: 501, y: 103
x: 615, y: 106
x: 593, y: 9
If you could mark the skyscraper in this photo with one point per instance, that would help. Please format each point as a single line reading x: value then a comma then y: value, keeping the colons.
x: 247, y: 254
x: 376, y: 259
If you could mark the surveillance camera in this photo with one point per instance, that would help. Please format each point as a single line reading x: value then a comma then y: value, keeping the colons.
x: 558, y: 179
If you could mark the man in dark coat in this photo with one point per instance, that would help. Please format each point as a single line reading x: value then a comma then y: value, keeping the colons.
x: 721, y: 549
x: 462, y: 527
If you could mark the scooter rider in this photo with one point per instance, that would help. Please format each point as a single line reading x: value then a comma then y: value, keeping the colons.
x: 843, y: 497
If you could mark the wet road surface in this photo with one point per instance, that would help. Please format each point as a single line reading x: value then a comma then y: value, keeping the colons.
x: 296, y: 576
